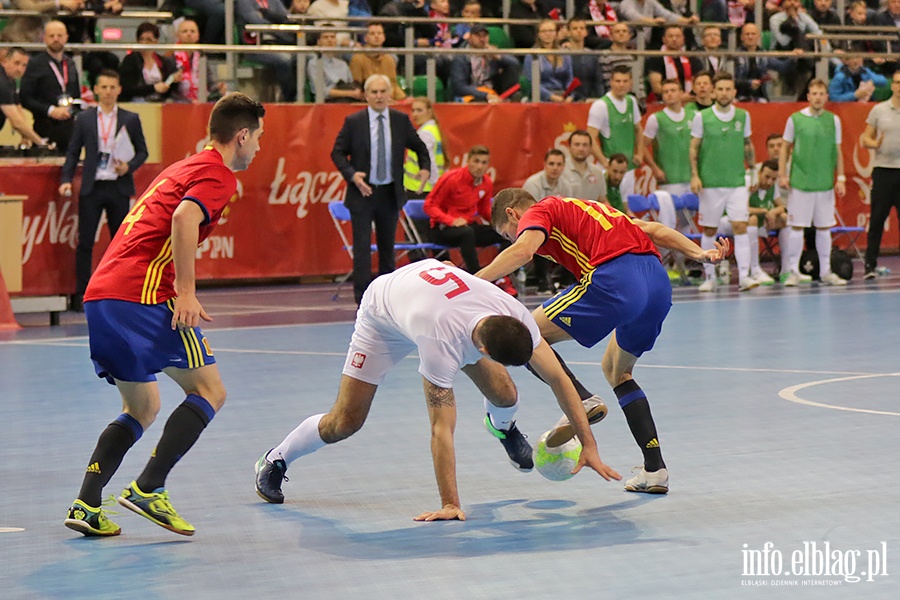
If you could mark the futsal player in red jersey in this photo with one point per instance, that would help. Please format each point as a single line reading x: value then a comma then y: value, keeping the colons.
x: 623, y: 289
x: 143, y: 317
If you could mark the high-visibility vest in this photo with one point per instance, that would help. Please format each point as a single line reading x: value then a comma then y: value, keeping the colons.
x: 411, y: 166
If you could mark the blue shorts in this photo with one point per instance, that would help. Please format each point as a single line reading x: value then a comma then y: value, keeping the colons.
x: 133, y: 342
x: 630, y: 294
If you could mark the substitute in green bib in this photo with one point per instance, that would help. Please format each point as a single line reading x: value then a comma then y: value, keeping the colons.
x: 614, y: 122
x: 667, y: 141
x: 720, y: 152
x: 812, y: 143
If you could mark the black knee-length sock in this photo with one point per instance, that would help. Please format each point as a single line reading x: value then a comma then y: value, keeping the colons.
x: 637, y: 412
x: 112, y: 445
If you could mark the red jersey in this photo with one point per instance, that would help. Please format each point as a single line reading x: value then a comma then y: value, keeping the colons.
x: 455, y: 195
x: 582, y: 234
x: 137, y: 266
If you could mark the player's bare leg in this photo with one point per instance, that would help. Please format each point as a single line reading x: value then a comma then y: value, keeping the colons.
x: 617, y: 366
x: 345, y: 418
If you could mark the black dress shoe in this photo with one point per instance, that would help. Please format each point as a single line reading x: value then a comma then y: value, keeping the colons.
x: 76, y: 303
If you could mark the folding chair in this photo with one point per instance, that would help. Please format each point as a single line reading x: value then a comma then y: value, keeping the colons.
x: 340, y: 216
x: 645, y: 208
x: 688, y: 205
x: 414, y: 216
x: 851, y: 233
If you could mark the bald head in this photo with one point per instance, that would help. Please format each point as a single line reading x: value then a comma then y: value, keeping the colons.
x: 55, y: 36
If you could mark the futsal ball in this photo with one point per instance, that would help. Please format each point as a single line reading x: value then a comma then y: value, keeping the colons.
x: 556, y: 463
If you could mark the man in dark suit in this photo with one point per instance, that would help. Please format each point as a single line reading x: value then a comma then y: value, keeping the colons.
x: 369, y: 153
x: 106, y: 180
x: 49, y: 86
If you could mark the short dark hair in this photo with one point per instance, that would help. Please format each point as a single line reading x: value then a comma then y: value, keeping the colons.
x: 772, y: 163
x: 479, y: 150
x: 233, y: 112
x: 618, y: 158
x: 723, y: 76
x: 671, y: 81
x: 773, y: 136
x: 15, y: 50
x: 707, y: 73
x: 554, y: 152
x: 507, y: 340
x: 581, y: 132
x: 147, y: 27
x: 111, y: 73
x: 509, y: 198
x: 622, y: 69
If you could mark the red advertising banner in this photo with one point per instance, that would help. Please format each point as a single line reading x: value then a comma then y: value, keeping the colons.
x: 279, y: 225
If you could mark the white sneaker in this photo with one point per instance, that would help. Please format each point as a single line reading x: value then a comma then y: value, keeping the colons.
x: 804, y: 278
x: 792, y: 280
x: 833, y: 279
x: 708, y: 285
x: 763, y: 278
x: 747, y: 283
x: 723, y: 271
x: 656, y: 482
x: 562, y: 432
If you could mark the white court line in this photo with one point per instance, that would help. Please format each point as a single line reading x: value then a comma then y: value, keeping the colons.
x: 790, y: 394
x: 11, y: 529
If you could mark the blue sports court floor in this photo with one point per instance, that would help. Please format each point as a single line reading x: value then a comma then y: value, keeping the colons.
x: 777, y: 410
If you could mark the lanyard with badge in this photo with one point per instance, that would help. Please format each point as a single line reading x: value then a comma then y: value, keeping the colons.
x: 63, y: 78
x: 105, y: 132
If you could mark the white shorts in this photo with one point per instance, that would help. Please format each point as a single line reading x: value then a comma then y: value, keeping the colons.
x: 676, y: 189
x: 811, y: 208
x: 726, y: 229
x: 629, y: 181
x: 375, y: 347
x: 714, y: 202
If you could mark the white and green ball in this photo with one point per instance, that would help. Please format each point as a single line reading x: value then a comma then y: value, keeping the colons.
x: 556, y: 463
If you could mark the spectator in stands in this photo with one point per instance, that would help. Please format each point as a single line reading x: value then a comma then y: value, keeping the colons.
x: 471, y: 10
x: 703, y: 91
x: 620, y: 36
x: 213, y: 12
x: 736, y: 12
x: 549, y: 180
x: 556, y: 70
x: 882, y: 134
x: 585, y: 67
x: 107, y: 182
x: 789, y: 29
x: 525, y: 36
x: 823, y: 13
x: 482, y: 77
x: 651, y: 12
x: 332, y: 9
x: 854, y: 82
x: 422, y: 115
x: 440, y: 9
x: 299, y: 7
x: 363, y: 66
x: 860, y: 15
x: 584, y: 177
x: 189, y: 64
x: 679, y: 7
x: 50, y: 87
x: 751, y: 72
x: 890, y: 17
x: 83, y: 30
x: 615, y: 176
x: 614, y: 122
x: 711, y: 41
x: 337, y: 81
x: 284, y: 64
x: 598, y: 36
x: 395, y: 36
x: 459, y: 207
x: 12, y: 67
x: 146, y: 75
x: 682, y: 68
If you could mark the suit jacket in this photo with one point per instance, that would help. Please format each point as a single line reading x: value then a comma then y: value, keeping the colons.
x: 352, y: 152
x: 40, y: 90
x: 133, y: 85
x: 85, y: 136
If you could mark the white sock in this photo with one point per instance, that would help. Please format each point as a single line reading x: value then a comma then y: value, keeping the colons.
x: 708, y: 242
x: 501, y: 417
x: 795, y: 246
x: 753, y: 236
x: 305, y: 439
x: 784, y: 243
x: 742, y: 254
x: 823, y: 249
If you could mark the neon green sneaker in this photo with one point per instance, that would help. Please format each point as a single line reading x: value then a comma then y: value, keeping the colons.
x: 90, y: 521
x: 156, y: 507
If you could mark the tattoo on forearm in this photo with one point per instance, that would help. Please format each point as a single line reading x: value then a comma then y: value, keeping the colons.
x: 440, y: 397
x: 694, y: 154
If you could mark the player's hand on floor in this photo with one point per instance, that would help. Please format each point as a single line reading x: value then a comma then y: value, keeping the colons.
x: 448, y: 513
x: 591, y: 458
x: 188, y: 312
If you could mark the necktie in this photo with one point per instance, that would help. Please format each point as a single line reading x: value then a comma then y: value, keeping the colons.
x: 754, y: 72
x: 381, y: 157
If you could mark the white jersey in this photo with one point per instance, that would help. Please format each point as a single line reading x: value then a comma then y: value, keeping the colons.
x: 436, y: 307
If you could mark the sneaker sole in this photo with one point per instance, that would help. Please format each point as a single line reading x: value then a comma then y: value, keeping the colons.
x: 260, y: 494
x: 653, y: 489
x: 566, y: 432
x: 135, y: 508
x: 86, y: 529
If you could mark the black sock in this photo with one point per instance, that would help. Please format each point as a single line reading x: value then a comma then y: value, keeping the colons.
x: 183, y: 428
x: 583, y: 393
x: 118, y: 437
x: 637, y: 412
